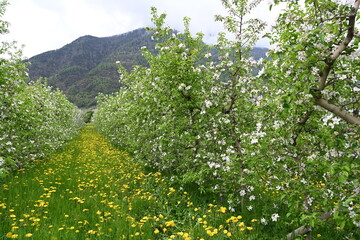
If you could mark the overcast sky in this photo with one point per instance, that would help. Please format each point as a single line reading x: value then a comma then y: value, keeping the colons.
x: 43, y: 25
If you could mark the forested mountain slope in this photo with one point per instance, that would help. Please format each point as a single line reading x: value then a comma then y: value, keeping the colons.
x: 87, y: 66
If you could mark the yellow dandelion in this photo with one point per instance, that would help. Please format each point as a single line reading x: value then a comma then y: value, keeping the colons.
x: 222, y: 209
x: 170, y: 224
x: 92, y: 232
x: 28, y: 235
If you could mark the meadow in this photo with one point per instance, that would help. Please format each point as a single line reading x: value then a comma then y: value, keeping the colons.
x: 90, y: 190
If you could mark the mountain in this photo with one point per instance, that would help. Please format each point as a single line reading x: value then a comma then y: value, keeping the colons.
x: 87, y: 66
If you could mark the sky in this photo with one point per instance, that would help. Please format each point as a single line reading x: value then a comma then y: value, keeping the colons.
x: 44, y: 25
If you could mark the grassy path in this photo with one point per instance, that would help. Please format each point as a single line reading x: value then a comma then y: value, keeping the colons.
x: 90, y: 190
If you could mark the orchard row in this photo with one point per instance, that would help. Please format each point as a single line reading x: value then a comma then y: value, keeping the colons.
x: 34, y: 119
x: 274, y: 138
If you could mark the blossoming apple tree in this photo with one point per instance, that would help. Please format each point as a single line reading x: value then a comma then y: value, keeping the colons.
x: 33, y: 119
x: 281, y: 143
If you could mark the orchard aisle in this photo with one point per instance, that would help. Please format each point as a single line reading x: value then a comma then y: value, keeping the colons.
x: 90, y: 190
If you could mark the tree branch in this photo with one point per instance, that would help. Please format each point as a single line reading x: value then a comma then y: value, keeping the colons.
x: 349, y: 36
x: 338, y: 111
x: 329, y: 65
x: 307, y: 229
x: 325, y: 216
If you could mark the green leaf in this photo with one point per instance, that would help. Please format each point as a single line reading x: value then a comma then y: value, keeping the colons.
x: 342, y: 179
x: 342, y: 224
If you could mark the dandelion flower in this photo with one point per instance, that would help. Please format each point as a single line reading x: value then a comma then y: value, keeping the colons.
x: 170, y: 224
x: 92, y: 232
x: 222, y: 209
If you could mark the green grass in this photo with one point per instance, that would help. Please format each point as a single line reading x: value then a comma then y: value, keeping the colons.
x: 90, y: 190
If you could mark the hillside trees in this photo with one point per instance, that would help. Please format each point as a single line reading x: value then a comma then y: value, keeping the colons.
x: 282, y: 145
x: 34, y: 120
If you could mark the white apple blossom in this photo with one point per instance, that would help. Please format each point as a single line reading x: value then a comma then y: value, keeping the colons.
x: 274, y: 217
